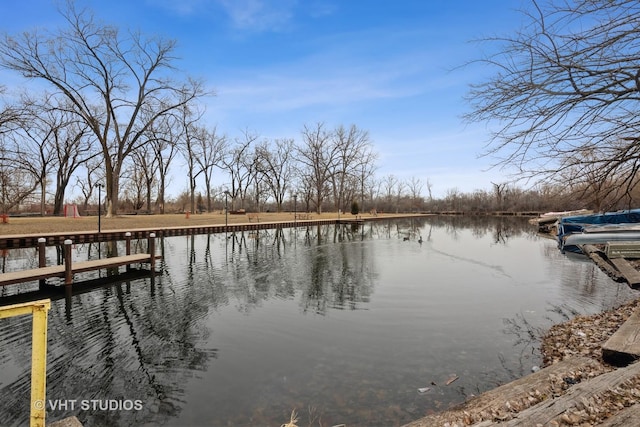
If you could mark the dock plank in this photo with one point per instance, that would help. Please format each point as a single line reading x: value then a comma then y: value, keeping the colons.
x: 631, y: 275
x: 14, y: 277
x: 623, y: 346
x: 627, y: 417
x: 589, y: 392
x: 96, y: 264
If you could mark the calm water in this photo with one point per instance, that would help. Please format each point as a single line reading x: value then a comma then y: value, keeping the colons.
x: 342, y: 325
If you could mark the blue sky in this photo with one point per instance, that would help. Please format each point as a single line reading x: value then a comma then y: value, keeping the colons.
x: 389, y: 67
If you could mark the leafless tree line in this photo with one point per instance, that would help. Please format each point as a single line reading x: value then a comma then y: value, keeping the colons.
x: 113, y: 110
x: 328, y: 168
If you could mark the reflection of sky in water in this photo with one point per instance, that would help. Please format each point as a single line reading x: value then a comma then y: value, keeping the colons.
x: 240, y: 331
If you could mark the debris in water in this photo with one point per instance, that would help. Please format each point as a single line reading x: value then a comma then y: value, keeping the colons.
x: 423, y: 390
x: 452, y: 379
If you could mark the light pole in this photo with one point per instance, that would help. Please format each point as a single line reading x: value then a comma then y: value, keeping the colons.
x: 99, y: 185
x: 226, y: 211
x: 295, y: 210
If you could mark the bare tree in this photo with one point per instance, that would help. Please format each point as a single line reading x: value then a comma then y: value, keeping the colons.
x: 163, y: 136
x: 32, y: 149
x: 10, y: 116
x: 452, y: 199
x: 318, y: 157
x: 415, y: 188
x: 565, y: 92
x: 389, y: 183
x: 135, y: 190
x: 594, y: 191
x: 400, y: 187
x: 365, y: 170
x: 209, y: 152
x: 429, y: 185
x: 51, y: 128
x: 188, y: 141
x: 241, y: 165
x: 354, y: 157
x: 16, y: 184
x: 117, y: 84
x: 500, y: 190
x: 144, y: 168
x: 93, y: 176
x: 275, y: 164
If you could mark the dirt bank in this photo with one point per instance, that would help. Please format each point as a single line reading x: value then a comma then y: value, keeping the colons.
x: 572, y: 354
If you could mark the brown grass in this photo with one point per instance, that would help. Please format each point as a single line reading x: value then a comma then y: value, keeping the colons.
x: 35, y: 225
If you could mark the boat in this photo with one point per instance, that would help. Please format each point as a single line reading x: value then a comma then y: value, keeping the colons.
x: 577, y: 239
x: 577, y: 223
x: 611, y: 228
x: 546, y: 222
x: 598, y: 228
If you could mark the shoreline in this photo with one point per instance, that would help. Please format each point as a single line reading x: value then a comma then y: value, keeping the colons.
x: 572, y: 353
x: 21, y: 226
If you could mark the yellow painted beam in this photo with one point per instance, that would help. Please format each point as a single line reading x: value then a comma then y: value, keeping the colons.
x: 23, y: 308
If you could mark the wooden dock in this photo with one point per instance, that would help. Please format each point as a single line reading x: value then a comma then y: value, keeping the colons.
x: 616, y: 266
x: 67, y: 271
x: 78, y: 267
x: 351, y: 221
x: 80, y: 237
x: 69, y: 268
x: 623, y: 347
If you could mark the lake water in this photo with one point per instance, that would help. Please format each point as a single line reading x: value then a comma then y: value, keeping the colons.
x: 343, y: 325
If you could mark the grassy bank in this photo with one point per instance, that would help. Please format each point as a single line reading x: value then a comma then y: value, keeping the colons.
x: 34, y: 225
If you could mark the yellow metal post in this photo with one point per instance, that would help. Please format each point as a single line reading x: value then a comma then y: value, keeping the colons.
x: 39, y: 365
x: 39, y: 310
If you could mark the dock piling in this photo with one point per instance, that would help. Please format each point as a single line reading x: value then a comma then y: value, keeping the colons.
x: 152, y: 251
x: 42, y: 260
x: 68, y: 270
x: 127, y: 240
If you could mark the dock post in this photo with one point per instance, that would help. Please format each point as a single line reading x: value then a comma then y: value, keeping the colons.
x: 127, y: 239
x: 68, y: 270
x: 152, y: 251
x: 42, y: 261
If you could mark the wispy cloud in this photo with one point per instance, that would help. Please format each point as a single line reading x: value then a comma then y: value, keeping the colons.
x: 182, y: 7
x: 259, y: 15
x: 288, y: 91
x: 332, y: 76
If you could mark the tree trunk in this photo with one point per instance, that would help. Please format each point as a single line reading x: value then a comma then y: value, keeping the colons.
x: 43, y: 196
x: 149, y: 185
x: 112, y: 190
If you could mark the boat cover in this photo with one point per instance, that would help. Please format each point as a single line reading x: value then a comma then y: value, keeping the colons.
x: 576, y: 224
